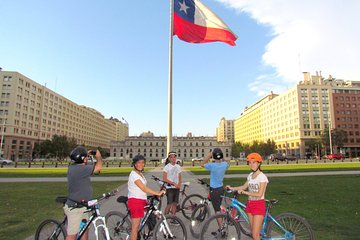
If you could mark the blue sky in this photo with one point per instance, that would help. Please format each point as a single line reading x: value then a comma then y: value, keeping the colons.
x: 113, y: 55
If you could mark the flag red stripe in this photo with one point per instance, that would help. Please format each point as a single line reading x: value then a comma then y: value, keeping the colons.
x: 193, y: 33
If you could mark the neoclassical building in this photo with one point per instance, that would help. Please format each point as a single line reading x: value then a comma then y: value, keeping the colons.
x: 153, y: 147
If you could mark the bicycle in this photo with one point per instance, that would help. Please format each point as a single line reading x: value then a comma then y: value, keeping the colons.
x: 200, y: 212
x: 287, y: 226
x: 187, y: 203
x: 154, y: 224
x: 55, y: 230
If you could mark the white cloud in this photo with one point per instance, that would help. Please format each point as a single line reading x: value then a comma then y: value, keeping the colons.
x: 308, y: 36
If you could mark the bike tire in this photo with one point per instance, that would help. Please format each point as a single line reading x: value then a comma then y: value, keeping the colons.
x: 50, y: 229
x: 293, y: 223
x: 243, y: 223
x: 198, y: 217
x: 190, y: 203
x: 176, y: 227
x: 119, y: 225
x: 229, y: 229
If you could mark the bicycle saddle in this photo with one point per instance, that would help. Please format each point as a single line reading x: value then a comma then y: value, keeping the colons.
x: 272, y: 201
x: 186, y: 183
x: 122, y: 199
x: 61, y: 199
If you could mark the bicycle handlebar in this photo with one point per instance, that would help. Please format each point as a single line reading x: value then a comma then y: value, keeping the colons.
x: 93, y: 202
x: 202, y: 182
x: 161, y: 182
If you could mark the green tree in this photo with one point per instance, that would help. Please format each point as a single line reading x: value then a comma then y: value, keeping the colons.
x: 58, y: 147
x: 312, y: 145
x: 269, y: 148
x: 263, y: 148
x: 338, y: 137
x: 236, y: 149
x: 61, y: 146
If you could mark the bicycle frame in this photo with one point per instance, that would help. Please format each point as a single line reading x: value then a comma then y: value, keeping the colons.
x: 267, y: 218
x: 239, y: 206
x: 94, y: 219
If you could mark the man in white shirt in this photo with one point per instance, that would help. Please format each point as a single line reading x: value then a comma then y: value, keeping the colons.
x: 172, y: 175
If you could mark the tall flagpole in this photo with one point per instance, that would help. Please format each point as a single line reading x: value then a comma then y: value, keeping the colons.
x: 169, y: 136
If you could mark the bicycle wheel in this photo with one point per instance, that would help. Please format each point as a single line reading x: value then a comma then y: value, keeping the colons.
x: 189, y: 204
x: 50, y: 229
x: 228, y: 228
x: 198, y: 217
x: 295, y: 224
x: 243, y: 223
x: 119, y: 225
x: 175, y: 227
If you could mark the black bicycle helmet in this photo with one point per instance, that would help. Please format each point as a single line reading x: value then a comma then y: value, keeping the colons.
x: 138, y: 158
x: 78, y: 154
x: 217, y: 154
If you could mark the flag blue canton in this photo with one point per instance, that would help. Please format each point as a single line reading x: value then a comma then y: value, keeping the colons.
x: 185, y: 9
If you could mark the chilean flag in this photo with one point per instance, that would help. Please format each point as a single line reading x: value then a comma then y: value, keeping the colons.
x: 196, y: 23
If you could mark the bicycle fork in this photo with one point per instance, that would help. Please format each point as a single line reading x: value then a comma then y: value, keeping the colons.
x: 165, y: 229
x: 102, y: 226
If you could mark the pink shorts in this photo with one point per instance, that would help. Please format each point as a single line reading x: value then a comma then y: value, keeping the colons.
x: 256, y: 207
x: 136, y: 207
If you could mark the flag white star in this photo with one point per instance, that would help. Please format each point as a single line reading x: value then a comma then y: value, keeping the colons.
x: 183, y: 7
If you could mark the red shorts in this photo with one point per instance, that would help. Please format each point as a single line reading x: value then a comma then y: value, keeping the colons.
x: 256, y: 207
x: 136, y: 207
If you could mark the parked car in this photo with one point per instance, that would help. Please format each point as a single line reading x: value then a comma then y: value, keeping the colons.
x: 281, y: 157
x: 196, y: 159
x: 335, y: 156
x: 4, y: 161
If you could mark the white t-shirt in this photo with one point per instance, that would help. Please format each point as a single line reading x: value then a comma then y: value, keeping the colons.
x: 133, y: 190
x: 254, y: 184
x: 173, y: 172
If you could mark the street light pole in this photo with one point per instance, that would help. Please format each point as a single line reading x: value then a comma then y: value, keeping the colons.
x: 2, y: 138
x: 331, y: 148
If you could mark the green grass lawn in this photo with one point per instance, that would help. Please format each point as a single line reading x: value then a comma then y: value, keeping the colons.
x: 59, y: 172
x: 279, y: 168
x: 25, y: 205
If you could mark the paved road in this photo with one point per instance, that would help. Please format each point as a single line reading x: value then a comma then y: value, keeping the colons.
x: 111, y: 203
x: 188, y: 176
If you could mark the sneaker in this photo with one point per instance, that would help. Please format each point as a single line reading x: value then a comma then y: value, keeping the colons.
x: 223, y: 234
x: 215, y: 233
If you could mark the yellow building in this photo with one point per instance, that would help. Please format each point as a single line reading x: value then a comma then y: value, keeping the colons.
x: 225, y: 131
x: 290, y: 118
x: 30, y: 113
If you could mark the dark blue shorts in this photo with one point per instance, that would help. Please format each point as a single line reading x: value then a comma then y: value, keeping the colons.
x: 216, y: 199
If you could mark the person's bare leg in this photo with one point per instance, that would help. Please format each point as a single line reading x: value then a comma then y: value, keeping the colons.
x: 135, y: 224
x: 256, y: 226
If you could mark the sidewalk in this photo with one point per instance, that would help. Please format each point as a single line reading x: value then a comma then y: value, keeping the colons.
x: 187, y: 176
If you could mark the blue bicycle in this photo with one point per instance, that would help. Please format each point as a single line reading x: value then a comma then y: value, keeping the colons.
x: 229, y: 225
